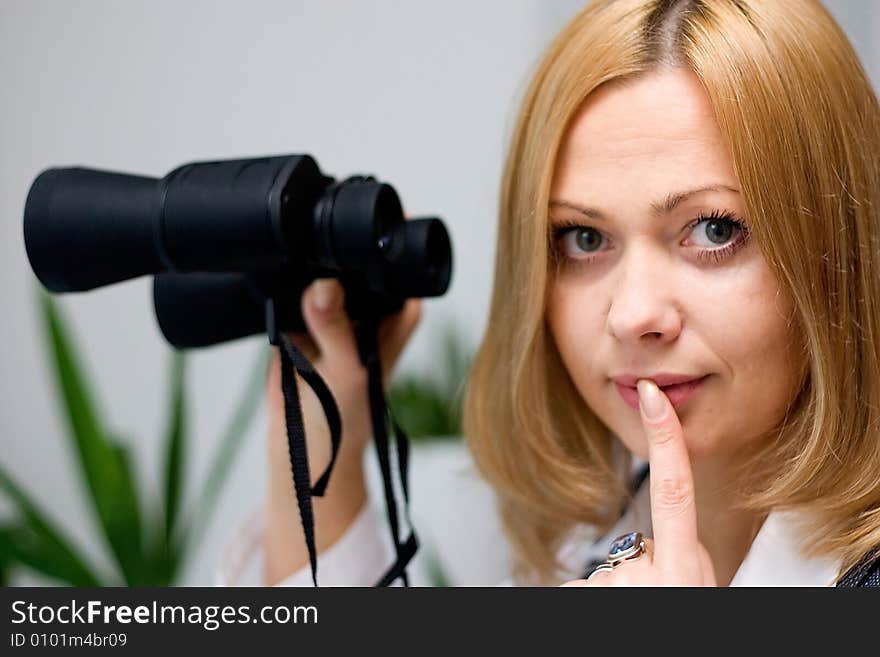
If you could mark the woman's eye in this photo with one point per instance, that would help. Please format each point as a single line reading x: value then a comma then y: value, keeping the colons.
x: 581, y: 239
x: 715, y: 231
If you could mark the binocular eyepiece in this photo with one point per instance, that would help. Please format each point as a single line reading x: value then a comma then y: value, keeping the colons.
x: 233, y: 243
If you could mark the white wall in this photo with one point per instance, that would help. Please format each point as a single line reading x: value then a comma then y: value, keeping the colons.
x: 422, y: 94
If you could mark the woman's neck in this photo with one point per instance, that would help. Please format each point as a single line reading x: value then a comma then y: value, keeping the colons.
x: 725, y: 531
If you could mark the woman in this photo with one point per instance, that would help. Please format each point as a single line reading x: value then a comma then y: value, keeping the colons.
x: 686, y: 275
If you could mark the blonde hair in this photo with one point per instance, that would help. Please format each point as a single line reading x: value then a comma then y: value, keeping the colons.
x: 802, y: 126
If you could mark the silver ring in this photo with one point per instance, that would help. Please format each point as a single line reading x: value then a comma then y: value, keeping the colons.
x: 601, y: 568
x: 626, y: 547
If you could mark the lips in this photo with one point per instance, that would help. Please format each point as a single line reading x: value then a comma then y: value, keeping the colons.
x: 678, y: 391
x: 662, y: 379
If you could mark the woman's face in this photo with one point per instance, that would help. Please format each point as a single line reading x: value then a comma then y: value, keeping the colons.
x: 655, y: 277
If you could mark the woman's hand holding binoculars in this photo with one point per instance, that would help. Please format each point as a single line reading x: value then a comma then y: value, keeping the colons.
x: 330, y: 345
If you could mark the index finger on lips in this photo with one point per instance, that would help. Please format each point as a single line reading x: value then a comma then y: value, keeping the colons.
x: 673, y: 508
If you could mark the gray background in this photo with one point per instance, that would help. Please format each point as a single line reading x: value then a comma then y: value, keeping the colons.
x: 422, y: 94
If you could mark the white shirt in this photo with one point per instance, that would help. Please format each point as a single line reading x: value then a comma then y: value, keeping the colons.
x: 364, y: 552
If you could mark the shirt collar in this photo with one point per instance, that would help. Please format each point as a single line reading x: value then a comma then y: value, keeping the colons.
x: 776, y: 558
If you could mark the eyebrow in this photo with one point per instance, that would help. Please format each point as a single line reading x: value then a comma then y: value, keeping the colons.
x: 658, y: 208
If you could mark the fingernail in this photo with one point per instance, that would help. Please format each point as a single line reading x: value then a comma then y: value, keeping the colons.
x: 324, y: 295
x: 650, y: 399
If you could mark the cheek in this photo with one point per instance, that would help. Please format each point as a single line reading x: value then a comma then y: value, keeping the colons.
x: 747, y: 338
x: 572, y: 327
x: 577, y: 324
x: 762, y: 356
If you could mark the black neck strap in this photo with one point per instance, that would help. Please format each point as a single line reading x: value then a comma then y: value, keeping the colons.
x: 380, y: 414
x: 293, y: 360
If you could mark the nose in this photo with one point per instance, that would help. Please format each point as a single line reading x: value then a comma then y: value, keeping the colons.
x: 645, y: 308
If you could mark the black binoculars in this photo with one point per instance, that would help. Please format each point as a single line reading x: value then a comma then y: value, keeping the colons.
x: 233, y: 243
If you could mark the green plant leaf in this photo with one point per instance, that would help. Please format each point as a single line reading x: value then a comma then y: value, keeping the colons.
x: 175, y: 439
x: 105, y: 465
x: 458, y: 364
x: 436, y: 575
x: 35, y: 543
x: 430, y: 407
x: 420, y: 408
x: 160, y: 555
x: 124, y: 514
x: 229, y: 445
x: 4, y: 567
